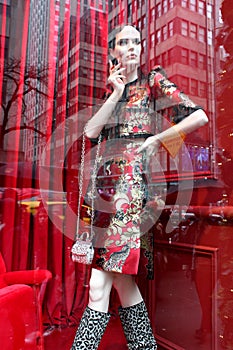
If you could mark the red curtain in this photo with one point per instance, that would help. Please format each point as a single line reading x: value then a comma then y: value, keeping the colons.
x: 52, y: 74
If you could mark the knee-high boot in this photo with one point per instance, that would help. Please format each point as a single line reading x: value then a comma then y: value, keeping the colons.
x: 137, y: 328
x: 91, y: 329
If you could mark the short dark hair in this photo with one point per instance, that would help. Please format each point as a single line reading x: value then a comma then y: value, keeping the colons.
x: 118, y: 29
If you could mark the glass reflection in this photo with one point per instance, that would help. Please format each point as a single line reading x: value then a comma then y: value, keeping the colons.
x: 53, y: 69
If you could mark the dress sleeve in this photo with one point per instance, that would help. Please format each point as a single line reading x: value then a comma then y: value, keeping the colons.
x: 182, y: 105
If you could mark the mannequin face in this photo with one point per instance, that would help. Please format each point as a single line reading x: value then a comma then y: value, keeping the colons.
x: 128, y: 47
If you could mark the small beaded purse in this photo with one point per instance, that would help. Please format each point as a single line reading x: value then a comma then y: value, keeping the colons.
x: 82, y: 250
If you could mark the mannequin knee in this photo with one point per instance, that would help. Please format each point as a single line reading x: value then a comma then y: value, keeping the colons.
x: 127, y: 289
x: 96, y: 291
x: 121, y: 282
x: 100, y: 288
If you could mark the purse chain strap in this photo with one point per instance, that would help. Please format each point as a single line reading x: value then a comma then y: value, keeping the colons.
x: 93, y: 178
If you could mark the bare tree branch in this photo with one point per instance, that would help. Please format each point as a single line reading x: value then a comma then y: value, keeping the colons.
x: 25, y: 127
x: 19, y: 83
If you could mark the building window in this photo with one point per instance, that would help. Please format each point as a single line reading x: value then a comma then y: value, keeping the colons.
x: 171, y: 4
x: 209, y: 11
x: 143, y: 22
x: 165, y: 6
x: 203, y: 92
x: 166, y: 58
x: 184, y: 3
x: 158, y: 36
x: 139, y: 24
x: 193, y: 5
x: 193, y: 31
x: 99, y: 58
x: 129, y: 10
x: 158, y: 10
x: 210, y: 37
x: 184, y: 84
x: 85, y: 55
x: 164, y: 33
x: 116, y: 20
x: 111, y: 24
x: 144, y: 45
x: 110, y: 4
x: 98, y: 76
x: 193, y: 59
x: 201, y: 7
x: 170, y: 29
x: 184, y: 28
x: 184, y: 56
x: 201, y: 34
x: 152, y: 40
x: 84, y: 72
x: 193, y: 87
x: 153, y: 14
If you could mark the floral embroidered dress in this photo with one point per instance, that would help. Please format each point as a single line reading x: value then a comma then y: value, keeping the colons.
x: 123, y: 181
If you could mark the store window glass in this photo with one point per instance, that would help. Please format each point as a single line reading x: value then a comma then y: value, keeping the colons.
x: 55, y: 65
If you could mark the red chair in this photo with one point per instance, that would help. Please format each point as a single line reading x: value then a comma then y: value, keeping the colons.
x: 18, y: 324
x: 22, y: 291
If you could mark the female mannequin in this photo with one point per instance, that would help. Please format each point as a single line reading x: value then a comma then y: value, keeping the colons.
x: 117, y: 262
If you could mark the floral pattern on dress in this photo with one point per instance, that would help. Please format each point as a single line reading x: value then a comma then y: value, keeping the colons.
x: 135, y: 117
x: 135, y: 122
x: 124, y: 178
x: 138, y: 96
x: 123, y: 235
x: 128, y: 203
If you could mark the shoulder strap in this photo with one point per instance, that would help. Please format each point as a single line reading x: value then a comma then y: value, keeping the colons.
x: 93, y: 178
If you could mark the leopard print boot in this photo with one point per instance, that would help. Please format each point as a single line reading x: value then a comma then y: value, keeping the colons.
x: 91, y: 329
x: 137, y: 328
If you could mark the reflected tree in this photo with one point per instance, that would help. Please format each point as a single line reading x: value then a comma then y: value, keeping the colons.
x: 17, y: 84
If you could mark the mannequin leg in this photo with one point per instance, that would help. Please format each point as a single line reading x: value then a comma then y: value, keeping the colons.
x: 91, y: 329
x: 127, y: 290
x: 100, y: 288
x: 137, y: 328
x: 95, y: 317
x: 133, y: 314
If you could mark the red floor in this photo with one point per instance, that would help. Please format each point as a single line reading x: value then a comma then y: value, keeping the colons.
x: 61, y: 339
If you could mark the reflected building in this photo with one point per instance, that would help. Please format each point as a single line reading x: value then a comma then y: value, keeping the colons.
x: 66, y: 39
x: 179, y: 36
x: 176, y: 34
x: 41, y: 55
x: 87, y: 58
x: 84, y: 86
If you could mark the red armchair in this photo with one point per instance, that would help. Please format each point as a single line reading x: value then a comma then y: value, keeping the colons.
x: 21, y: 296
x: 18, y: 324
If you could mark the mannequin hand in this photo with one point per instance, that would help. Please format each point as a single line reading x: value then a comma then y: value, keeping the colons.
x: 116, y: 78
x: 151, y: 146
